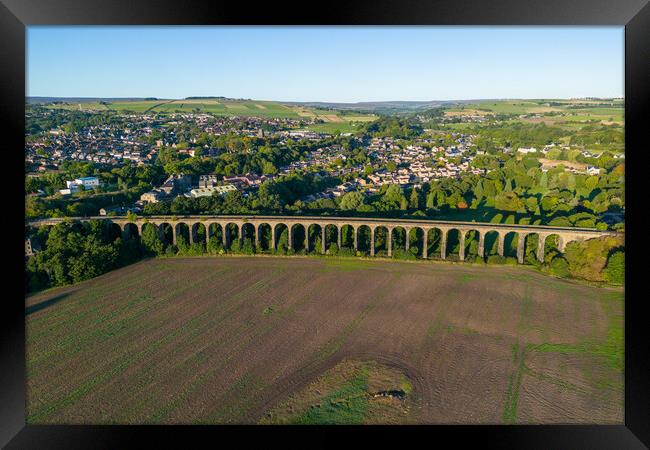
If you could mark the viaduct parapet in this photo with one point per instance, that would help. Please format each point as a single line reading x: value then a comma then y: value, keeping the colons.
x: 251, y: 226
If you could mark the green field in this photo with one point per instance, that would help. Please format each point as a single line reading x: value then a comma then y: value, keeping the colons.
x: 537, y: 106
x: 515, y: 107
x: 573, y: 113
x: 222, y: 107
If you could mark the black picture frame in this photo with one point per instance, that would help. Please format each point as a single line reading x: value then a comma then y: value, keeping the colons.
x: 15, y: 15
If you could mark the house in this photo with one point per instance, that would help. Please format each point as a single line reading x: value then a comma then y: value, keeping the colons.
x: 591, y: 170
x: 112, y: 211
x: 527, y: 150
x: 250, y: 179
x: 153, y: 196
x: 86, y: 182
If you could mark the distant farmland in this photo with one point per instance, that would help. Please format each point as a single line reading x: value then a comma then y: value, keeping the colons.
x: 296, y: 340
x: 221, y: 107
x: 571, y: 110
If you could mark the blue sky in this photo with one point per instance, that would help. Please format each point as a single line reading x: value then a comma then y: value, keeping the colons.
x: 336, y: 64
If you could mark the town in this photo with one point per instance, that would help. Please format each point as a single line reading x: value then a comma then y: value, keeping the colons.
x: 138, y: 139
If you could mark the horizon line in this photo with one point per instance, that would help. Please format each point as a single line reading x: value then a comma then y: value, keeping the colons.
x: 326, y: 101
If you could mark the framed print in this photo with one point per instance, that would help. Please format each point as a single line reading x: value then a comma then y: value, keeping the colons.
x: 381, y: 219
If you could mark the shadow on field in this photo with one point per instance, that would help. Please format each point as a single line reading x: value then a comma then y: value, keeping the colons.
x: 45, y: 304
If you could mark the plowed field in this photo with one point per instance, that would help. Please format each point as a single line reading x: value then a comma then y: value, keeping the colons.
x: 250, y: 339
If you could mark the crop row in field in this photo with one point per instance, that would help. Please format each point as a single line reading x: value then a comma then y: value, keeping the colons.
x: 243, y: 340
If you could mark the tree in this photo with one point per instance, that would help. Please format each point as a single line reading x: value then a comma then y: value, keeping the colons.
x: 549, y: 203
x: 268, y: 168
x: 414, y: 200
x: 351, y: 201
x: 150, y: 241
x: 615, y: 269
x: 215, y: 246
x: 180, y: 205
x: 531, y: 205
x: 508, y: 201
x: 588, y: 259
x: 559, y: 267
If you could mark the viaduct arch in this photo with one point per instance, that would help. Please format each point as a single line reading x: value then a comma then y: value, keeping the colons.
x: 254, y: 223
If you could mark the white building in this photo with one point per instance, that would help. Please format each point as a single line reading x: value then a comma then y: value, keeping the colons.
x: 591, y: 170
x: 86, y: 182
x: 208, y: 191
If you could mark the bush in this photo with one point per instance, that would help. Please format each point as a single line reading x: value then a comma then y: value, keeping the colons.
x: 215, y: 246
x: 559, y: 267
x: 587, y: 259
x: 333, y: 249
x: 471, y: 258
x: 196, y: 249
x: 247, y: 247
x: 511, y: 260
x: 533, y: 261
x: 401, y: 254
x: 496, y: 259
x: 345, y: 251
x: 615, y: 269
x: 235, y: 247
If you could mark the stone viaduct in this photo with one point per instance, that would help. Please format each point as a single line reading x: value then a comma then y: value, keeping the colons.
x: 252, y: 226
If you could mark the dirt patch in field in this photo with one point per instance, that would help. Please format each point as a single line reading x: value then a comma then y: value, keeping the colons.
x: 468, y: 112
x: 303, y: 112
x: 352, y: 392
x: 230, y: 340
x: 331, y: 118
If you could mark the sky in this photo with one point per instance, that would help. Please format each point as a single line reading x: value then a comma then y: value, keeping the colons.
x: 331, y: 64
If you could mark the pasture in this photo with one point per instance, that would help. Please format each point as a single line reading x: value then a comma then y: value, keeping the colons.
x: 315, y: 340
x: 226, y: 107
